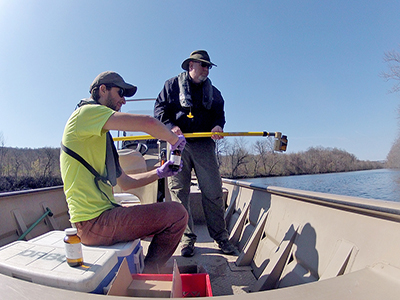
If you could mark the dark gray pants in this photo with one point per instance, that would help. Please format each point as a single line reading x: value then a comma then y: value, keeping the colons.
x: 199, y: 154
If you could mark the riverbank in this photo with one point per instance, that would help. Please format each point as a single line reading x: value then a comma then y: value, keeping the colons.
x: 316, y: 160
x: 382, y: 184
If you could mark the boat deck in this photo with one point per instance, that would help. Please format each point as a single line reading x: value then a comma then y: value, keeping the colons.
x: 226, y: 279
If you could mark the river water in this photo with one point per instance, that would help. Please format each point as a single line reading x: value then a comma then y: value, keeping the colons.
x: 383, y: 184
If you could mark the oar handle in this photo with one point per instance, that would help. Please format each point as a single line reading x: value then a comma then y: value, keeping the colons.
x: 202, y: 134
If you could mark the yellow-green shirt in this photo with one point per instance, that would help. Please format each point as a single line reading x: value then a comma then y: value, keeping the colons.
x: 84, y: 134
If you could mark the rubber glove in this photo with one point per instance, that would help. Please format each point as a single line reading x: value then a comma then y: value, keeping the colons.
x: 180, y: 144
x: 166, y: 171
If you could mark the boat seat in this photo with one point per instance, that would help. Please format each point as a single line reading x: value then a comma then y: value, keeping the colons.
x: 301, y: 264
x: 240, y: 218
x: 343, y: 255
x: 132, y: 251
x: 303, y: 267
x: 132, y: 162
x: 259, y: 204
x: 250, y: 216
x: 248, y: 252
x: 273, y: 262
x: 126, y: 199
x: 233, y: 210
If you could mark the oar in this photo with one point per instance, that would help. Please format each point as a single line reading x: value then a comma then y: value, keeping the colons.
x: 202, y: 134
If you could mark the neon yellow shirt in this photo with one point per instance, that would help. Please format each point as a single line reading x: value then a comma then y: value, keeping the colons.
x: 84, y: 134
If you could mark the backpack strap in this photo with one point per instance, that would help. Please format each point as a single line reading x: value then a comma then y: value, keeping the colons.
x: 97, y: 176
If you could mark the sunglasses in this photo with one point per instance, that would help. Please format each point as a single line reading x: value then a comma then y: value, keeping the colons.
x: 204, y: 65
x: 121, y: 91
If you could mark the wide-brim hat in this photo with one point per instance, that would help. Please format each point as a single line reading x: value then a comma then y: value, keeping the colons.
x: 198, y: 55
x: 114, y: 79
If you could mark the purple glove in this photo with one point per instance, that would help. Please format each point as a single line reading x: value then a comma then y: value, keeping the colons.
x: 180, y: 144
x: 166, y: 171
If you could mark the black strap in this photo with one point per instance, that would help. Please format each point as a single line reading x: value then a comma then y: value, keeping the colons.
x: 97, y: 176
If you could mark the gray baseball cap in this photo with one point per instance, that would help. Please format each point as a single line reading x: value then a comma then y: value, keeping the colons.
x: 113, y: 78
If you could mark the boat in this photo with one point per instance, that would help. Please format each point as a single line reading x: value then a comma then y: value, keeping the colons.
x: 292, y: 244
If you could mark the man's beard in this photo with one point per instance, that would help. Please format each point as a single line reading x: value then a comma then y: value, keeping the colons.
x: 110, y: 103
x: 202, y: 78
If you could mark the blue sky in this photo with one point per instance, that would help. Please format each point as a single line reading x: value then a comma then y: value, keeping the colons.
x: 309, y: 69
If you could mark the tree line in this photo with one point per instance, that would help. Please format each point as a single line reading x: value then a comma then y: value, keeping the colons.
x: 26, y: 168
x: 22, y: 169
x: 260, y: 160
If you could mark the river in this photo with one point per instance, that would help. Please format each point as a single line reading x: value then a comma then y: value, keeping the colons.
x: 383, y: 184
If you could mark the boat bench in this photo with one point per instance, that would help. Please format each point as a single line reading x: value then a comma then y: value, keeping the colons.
x: 42, y: 260
x: 132, y: 251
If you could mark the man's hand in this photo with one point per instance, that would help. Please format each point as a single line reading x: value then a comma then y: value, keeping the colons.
x: 176, y: 130
x: 180, y: 144
x: 217, y: 136
x: 166, y: 171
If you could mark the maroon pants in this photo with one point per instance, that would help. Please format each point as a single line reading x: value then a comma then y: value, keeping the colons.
x: 165, y: 221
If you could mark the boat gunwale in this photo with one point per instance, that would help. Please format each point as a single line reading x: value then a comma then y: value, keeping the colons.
x: 30, y: 191
x: 372, y: 207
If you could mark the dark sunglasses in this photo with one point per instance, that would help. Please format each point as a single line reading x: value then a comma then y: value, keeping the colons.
x: 205, y: 65
x: 121, y: 91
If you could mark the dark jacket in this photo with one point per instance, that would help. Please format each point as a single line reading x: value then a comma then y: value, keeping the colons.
x: 169, y: 111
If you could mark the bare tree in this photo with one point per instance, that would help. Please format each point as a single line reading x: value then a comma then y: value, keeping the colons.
x: 238, y: 155
x: 262, y: 148
x: 3, y: 152
x: 17, y: 164
x: 256, y: 160
x: 393, y: 158
x: 48, y: 162
x: 221, y: 147
x: 265, y: 150
x: 392, y: 58
x: 28, y: 161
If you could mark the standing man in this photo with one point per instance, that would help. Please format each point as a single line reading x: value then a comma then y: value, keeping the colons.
x: 92, y: 207
x: 190, y: 103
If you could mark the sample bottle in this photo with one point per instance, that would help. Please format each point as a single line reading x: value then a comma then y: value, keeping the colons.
x: 176, y: 159
x: 73, y: 248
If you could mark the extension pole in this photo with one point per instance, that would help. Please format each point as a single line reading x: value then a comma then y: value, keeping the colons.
x: 202, y: 134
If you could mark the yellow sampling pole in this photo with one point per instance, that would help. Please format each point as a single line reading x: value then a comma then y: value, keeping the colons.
x: 202, y: 134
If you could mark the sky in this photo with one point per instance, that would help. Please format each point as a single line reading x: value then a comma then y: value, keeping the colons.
x: 308, y: 69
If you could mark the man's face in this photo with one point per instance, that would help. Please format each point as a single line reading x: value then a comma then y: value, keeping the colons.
x: 113, y: 99
x: 198, y: 71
